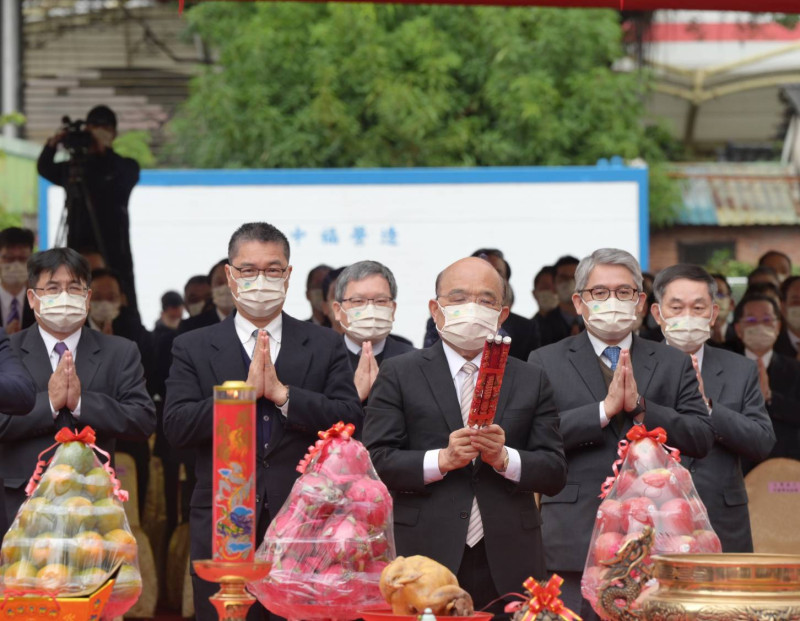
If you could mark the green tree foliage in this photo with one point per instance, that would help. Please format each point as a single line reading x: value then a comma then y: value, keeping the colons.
x: 136, y: 144
x: 342, y: 85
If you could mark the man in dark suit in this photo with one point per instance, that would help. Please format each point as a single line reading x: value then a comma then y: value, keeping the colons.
x: 307, y: 389
x: 757, y: 322
x: 16, y: 247
x: 221, y: 301
x: 315, y: 296
x: 17, y: 397
x: 788, y: 342
x: 561, y: 322
x: 364, y: 306
x: 603, y: 379
x: 465, y: 496
x: 83, y: 377
x: 686, y: 312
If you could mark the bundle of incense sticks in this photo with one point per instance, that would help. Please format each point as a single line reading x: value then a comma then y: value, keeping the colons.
x: 490, y: 378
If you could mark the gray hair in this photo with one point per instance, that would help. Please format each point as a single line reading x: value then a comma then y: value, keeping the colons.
x: 607, y: 256
x: 360, y: 271
x: 684, y: 271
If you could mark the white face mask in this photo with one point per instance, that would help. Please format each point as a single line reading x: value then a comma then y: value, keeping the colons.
x: 547, y: 300
x: 466, y: 326
x: 171, y: 322
x: 63, y: 312
x: 222, y: 298
x: 103, y: 312
x: 260, y: 297
x: 565, y: 289
x: 369, y: 323
x: 687, y: 333
x: 793, y: 317
x: 724, y: 308
x: 611, y: 319
x: 14, y: 273
x: 196, y: 308
x: 759, y: 338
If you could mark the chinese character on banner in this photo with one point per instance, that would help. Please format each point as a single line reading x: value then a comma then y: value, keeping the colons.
x: 298, y: 234
x: 389, y: 236
x: 329, y: 236
x: 359, y: 235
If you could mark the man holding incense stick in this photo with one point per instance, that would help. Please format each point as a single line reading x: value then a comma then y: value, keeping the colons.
x: 465, y: 496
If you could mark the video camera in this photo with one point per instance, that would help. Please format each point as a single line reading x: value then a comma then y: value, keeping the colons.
x: 77, y: 140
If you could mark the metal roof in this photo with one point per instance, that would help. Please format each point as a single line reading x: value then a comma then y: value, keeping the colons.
x: 739, y: 194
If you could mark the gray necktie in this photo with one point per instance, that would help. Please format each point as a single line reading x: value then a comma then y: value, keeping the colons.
x: 475, y: 527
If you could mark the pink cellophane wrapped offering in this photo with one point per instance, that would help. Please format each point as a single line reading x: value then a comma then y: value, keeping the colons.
x: 333, y: 536
x: 72, y: 530
x: 650, y: 488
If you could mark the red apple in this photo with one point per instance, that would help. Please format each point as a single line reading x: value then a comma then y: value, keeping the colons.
x: 637, y: 513
x: 609, y: 516
x: 646, y: 454
x: 675, y: 544
x: 707, y: 541
x: 590, y: 582
x: 623, y: 483
x: 659, y: 484
x: 684, y: 477
x: 699, y: 513
x: 675, y: 517
x: 606, y: 546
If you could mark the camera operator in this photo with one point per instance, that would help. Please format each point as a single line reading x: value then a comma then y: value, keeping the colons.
x: 97, y: 181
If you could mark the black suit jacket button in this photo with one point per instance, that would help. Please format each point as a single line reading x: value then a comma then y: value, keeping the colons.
x: 463, y: 515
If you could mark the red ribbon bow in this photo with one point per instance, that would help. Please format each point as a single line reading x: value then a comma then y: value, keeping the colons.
x: 87, y: 437
x: 546, y: 598
x: 339, y: 430
x: 636, y: 433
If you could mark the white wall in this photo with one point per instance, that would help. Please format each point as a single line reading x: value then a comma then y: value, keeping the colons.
x: 181, y: 230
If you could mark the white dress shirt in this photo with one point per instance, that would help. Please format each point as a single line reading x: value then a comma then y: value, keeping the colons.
x: 71, y: 342
x: 599, y: 347
x: 430, y: 464
x: 245, y: 329
x: 766, y: 358
x: 355, y: 348
x: 5, y: 304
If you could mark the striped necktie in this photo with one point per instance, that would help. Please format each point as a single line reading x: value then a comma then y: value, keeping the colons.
x: 475, y: 527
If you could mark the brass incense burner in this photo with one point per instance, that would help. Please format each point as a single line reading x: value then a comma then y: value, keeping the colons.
x: 724, y: 587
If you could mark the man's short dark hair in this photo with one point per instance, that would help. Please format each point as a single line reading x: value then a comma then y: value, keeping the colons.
x: 329, y: 278
x: 313, y: 272
x: 258, y: 232
x: 199, y: 279
x: 217, y: 265
x: 738, y: 312
x: 567, y: 259
x: 547, y: 269
x: 685, y: 271
x: 51, y: 260
x: 786, y: 285
x: 484, y: 253
x: 171, y: 299
x: 15, y: 236
x: 775, y: 253
x: 718, y: 276
x: 106, y: 272
x: 763, y: 288
x: 102, y: 116
x: 762, y: 269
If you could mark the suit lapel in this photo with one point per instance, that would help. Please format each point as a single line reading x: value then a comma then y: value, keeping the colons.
x: 644, y: 363
x: 87, y: 360
x: 226, y: 353
x: 437, y: 373
x: 35, y: 357
x: 291, y: 368
x: 582, y: 357
x: 713, y: 374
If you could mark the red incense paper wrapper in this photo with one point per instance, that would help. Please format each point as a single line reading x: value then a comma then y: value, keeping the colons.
x: 234, y: 473
x: 490, y: 378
